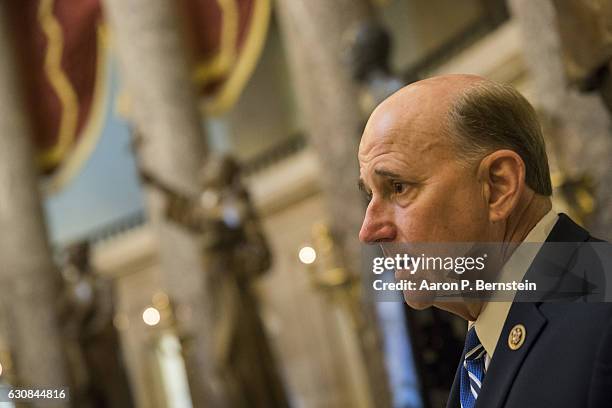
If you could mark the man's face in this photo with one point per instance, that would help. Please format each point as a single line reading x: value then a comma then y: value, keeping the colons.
x: 419, y: 191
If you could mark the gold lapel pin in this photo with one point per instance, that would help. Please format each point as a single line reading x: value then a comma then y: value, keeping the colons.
x: 516, y: 338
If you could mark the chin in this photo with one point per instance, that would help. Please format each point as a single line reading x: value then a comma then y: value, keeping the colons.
x: 419, y: 303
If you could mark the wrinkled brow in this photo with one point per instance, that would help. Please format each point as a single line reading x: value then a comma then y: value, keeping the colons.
x: 379, y: 172
x: 386, y: 173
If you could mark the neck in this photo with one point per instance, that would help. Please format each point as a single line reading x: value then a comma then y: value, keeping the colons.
x: 467, y: 310
x: 522, y: 221
x: 518, y: 226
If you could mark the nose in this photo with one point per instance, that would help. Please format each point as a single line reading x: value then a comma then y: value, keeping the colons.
x: 377, y: 225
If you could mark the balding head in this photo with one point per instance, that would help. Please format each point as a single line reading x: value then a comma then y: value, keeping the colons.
x: 437, y: 130
x: 455, y: 158
x: 475, y: 115
x: 421, y: 100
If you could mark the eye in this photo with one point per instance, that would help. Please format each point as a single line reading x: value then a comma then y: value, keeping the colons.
x: 399, y: 188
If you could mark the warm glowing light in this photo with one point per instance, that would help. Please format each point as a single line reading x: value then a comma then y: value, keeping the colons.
x: 151, y: 316
x: 0, y: 369
x: 161, y: 300
x: 307, y: 255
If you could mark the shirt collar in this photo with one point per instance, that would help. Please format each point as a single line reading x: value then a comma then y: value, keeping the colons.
x: 493, y: 315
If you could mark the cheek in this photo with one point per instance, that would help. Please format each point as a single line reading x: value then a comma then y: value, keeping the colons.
x: 414, y: 223
x: 468, y: 214
x: 443, y: 214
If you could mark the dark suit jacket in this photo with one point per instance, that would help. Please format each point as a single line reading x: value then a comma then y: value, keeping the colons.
x: 566, y: 359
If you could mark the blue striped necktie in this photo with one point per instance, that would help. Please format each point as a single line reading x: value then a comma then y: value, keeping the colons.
x: 472, y: 369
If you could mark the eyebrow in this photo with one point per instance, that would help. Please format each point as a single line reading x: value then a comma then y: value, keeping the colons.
x: 380, y: 172
x: 386, y: 173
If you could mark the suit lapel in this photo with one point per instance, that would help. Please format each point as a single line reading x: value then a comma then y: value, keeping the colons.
x: 453, y: 398
x: 549, y: 270
x: 506, y: 362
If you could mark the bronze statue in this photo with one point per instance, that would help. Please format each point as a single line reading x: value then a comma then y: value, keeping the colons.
x: 235, y: 254
x: 368, y: 58
x: 585, y: 28
x: 92, y: 344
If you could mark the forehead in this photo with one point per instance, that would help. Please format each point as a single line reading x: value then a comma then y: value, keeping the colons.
x: 411, y: 126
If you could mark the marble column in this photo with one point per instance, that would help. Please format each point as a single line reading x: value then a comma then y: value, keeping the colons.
x: 28, y: 277
x: 582, y: 141
x: 315, y: 36
x: 163, y: 106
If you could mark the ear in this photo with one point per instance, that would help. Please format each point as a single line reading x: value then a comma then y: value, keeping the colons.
x: 503, y: 175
